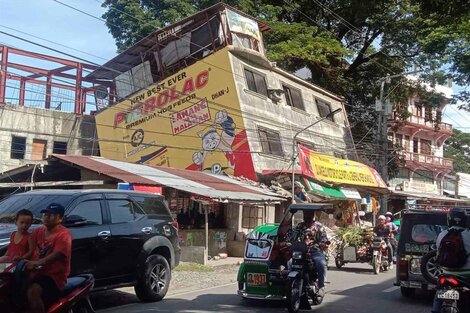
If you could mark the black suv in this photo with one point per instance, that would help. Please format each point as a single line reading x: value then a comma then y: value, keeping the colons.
x: 418, y: 232
x: 123, y: 238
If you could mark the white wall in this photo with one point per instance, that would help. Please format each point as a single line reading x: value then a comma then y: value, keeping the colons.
x: 46, y: 125
x: 260, y: 111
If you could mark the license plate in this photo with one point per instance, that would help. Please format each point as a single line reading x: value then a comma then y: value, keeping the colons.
x: 256, y: 279
x: 448, y: 294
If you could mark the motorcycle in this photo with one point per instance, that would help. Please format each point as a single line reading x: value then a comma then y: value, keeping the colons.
x: 302, y: 289
x: 379, y: 254
x: 74, y: 296
x: 454, y: 292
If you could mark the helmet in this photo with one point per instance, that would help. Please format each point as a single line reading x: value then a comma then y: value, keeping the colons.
x: 457, y: 217
x: 389, y: 214
x: 381, y: 217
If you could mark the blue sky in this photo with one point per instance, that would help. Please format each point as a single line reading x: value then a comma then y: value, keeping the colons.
x: 51, y: 20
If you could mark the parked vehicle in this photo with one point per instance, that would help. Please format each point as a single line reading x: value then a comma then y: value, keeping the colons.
x: 418, y: 232
x: 74, y: 295
x: 264, y: 274
x: 122, y: 238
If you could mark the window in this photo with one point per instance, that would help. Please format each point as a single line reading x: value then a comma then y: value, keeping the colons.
x: 324, y: 109
x: 428, y: 114
x: 398, y: 139
x: 425, y: 147
x: 424, y: 233
x: 38, y: 150
x: 18, y: 147
x: 256, y: 82
x: 418, y: 110
x: 59, y: 147
x: 406, y: 143
x: 122, y: 211
x: 415, y: 145
x: 252, y: 216
x: 270, y: 142
x: 293, y: 97
x: 91, y: 210
x: 152, y: 206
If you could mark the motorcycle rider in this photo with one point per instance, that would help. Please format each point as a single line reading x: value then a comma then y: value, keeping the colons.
x: 393, y: 233
x: 319, y: 242
x: 456, y: 219
x: 50, y: 270
x: 383, y: 230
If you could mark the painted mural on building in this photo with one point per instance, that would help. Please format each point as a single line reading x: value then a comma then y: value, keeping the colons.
x: 191, y: 120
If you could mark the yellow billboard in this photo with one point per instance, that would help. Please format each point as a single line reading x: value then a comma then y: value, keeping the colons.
x: 190, y: 120
x: 330, y: 169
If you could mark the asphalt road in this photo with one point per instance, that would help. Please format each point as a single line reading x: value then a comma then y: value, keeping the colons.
x: 354, y: 288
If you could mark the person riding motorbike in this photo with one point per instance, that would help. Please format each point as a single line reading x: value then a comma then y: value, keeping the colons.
x: 319, y: 242
x: 382, y: 230
x: 393, y: 233
x: 49, y: 272
x: 456, y: 219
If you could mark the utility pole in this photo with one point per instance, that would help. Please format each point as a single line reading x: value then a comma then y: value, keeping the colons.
x: 384, y: 109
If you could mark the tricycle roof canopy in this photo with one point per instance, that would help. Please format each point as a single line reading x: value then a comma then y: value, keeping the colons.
x: 309, y: 207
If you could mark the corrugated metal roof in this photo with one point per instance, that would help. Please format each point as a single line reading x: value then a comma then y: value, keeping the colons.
x: 200, y: 183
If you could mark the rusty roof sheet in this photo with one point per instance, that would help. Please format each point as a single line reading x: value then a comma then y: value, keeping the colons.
x: 200, y: 183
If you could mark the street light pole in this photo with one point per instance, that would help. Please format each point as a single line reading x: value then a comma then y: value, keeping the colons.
x: 294, y: 156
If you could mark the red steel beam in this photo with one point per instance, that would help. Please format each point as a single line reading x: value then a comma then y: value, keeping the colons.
x: 54, y: 71
x: 3, y: 73
x: 48, y: 92
x: 43, y: 57
x: 40, y: 82
x: 78, y: 90
x: 22, y: 91
x: 38, y: 72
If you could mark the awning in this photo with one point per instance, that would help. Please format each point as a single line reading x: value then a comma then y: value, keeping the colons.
x: 339, y: 193
x: 214, y: 187
x: 424, y: 196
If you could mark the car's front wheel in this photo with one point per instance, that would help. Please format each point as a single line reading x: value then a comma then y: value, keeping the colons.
x: 153, y: 284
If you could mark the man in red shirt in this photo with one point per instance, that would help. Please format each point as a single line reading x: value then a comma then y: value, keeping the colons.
x: 50, y: 270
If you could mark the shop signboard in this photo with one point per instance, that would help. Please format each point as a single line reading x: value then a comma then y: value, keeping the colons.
x: 326, y: 168
x: 190, y: 120
x: 420, y: 187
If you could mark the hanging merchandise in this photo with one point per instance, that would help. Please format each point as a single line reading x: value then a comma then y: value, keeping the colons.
x: 374, y: 207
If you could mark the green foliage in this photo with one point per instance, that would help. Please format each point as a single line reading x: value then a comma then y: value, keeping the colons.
x: 353, y: 236
x: 457, y: 148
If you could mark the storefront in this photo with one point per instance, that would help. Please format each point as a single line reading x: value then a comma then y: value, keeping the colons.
x: 213, y: 211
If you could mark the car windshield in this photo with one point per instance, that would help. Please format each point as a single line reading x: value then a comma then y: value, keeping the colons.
x: 33, y: 202
x: 425, y: 233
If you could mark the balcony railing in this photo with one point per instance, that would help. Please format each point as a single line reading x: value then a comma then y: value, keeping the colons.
x: 428, y: 159
x: 420, y: 120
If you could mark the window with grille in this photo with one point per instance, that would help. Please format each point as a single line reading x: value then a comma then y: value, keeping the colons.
x: 252, y: 216
x: 293, y: 97
x: 270, y: 141
x: 18, y: 147
x: 324, y: 109
x: 256, y: 82
x: 60, y: 147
